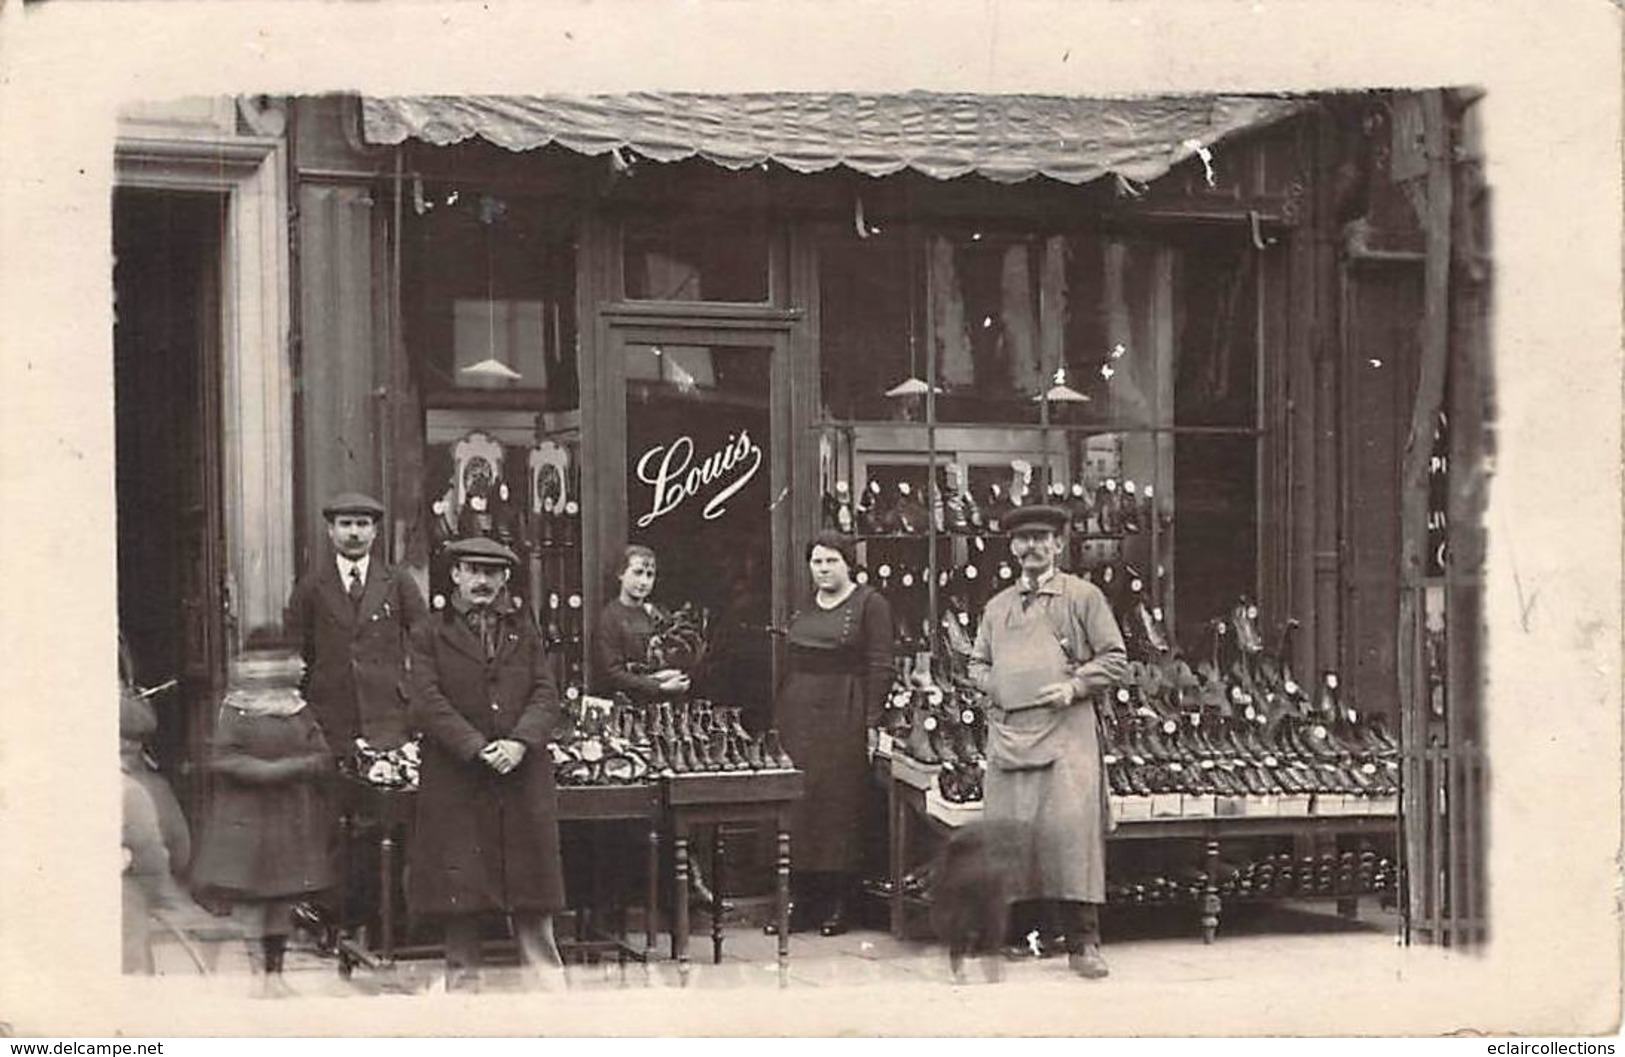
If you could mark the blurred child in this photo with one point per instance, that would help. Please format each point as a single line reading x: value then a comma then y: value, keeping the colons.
x: 265, y: 844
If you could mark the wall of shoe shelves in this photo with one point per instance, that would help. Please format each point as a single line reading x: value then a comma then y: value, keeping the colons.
x: 925, y: 510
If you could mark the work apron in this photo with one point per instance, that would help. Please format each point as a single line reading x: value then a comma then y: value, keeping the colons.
x: 1044, y: 768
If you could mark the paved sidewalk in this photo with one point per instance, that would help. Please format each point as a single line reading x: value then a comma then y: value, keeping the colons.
x: 1160, y: 947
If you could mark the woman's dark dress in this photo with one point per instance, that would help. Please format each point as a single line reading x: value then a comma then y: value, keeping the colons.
x: 267, y: 833
x: 623, y: 639
x: 839, y: 675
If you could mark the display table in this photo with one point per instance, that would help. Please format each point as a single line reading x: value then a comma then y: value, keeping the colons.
x: 913, y: 800
x: 609, y: 803
x: 391, y: 812
x: 716, y: 798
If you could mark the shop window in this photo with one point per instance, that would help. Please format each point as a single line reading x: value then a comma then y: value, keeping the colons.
x: 1216, y: 370
x: 489, y: 293
x: 488, y: 297
x: 696, y: 257
x: 870, y: 341
x: 983, y: 292
x: 1113, y: 377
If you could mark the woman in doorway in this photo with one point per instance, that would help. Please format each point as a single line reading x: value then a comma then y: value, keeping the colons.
x: 840, y: 671
x: 624, y: 629
x: 620, y: 660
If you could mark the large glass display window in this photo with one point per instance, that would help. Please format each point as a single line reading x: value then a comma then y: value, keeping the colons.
x: 489, y: 294
x: 969, y: 370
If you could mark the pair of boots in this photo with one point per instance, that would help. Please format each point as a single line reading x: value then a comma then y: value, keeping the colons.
x: 1075, y: 924
x: 823, y: 898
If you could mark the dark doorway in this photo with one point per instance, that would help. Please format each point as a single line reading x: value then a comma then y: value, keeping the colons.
x: 167, y: 362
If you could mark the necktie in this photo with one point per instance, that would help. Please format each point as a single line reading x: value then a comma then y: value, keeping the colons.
x: 485, y: 627
x: 356, y: 586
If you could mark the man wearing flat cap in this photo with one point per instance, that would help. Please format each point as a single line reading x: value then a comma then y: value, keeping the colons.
x: 352, y: 615
x: 1046, y: 644
x: 487, y: 837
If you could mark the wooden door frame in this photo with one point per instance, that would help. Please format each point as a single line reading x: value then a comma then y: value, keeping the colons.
x: 256, y: 378
x: 604, y: 425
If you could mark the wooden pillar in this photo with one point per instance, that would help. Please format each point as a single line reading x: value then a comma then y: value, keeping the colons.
x: 338, y: 377
x: 1470, y: 446
x: 603, y: 413
x: 1323, y: 645
x: 1303, y: 487
x: 1275, y: 368
x: 1434, y: 358
x: 805, y: 373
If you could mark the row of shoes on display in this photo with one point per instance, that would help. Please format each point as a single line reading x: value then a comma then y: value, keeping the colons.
x: 1237, y: 724
x: 948, y: 505
x: 634, y: 743
x: 1349, y: 873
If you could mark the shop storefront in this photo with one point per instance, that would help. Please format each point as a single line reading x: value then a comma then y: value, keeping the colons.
x: 716, y: 325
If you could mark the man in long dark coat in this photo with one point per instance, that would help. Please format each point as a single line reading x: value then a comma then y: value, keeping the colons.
x: 1046, y: 644
x: 487, y: 836
x: 352, y: 615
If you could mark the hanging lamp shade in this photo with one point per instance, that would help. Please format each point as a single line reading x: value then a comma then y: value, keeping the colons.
x: 910, y: 386
x: 1060, y: 392
x: 492, y: 368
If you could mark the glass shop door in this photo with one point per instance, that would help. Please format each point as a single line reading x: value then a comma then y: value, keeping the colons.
x: 697, y: 470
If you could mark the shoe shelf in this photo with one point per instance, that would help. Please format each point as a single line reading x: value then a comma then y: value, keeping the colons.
x: 917, y: 815
x: 1331, y: 875
x: 521, y: 486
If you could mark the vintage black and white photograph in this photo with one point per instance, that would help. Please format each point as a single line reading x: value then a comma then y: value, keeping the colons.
x: 751, y: 544
x: 893, y: 524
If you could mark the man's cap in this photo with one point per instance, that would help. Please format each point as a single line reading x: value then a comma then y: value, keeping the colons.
x: 1029, y: 517
x: 480, y: 550
x: 353, y: 503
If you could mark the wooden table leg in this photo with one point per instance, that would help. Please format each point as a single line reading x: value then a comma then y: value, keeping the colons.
x: 652, y: 897
x: 1210, y: 894
x: 340, y: 928
x: 784, y: 897
x: 898, y: 855
x: 679, y: 928
x: 717, y: 856
x: 386, y: 891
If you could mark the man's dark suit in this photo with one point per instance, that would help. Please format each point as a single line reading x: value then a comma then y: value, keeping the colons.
x: 355, y: 655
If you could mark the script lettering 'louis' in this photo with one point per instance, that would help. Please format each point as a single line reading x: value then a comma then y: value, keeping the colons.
x: 670, y: 471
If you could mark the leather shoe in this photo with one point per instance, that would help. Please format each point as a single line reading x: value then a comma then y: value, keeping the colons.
x: 1087, y: 962
x: 835, y: 923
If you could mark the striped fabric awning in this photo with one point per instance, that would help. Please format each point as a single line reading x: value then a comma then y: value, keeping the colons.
x: 1005, y: 138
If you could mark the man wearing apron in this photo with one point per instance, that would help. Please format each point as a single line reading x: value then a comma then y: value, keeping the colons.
x: 1046, y: 644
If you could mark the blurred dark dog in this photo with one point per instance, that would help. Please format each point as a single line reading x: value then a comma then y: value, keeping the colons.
x: 971, y: 892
